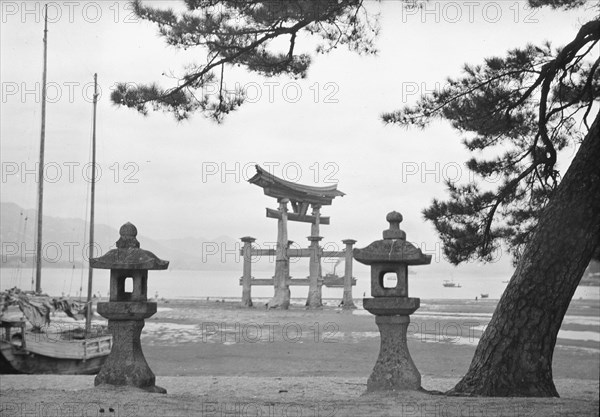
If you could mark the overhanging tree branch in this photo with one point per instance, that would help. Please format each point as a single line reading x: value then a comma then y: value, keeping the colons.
x: 240, y: 34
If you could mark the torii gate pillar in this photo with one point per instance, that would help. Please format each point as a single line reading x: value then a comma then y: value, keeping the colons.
x: 281, y: 298
x: 315, y: 279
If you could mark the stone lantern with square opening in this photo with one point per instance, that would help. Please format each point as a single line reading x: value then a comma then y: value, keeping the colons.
x: 392, y: 307
x: 126, y: 311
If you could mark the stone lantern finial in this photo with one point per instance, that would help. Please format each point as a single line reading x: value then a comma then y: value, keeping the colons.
x: 394, y: 232
x: 128, y: 238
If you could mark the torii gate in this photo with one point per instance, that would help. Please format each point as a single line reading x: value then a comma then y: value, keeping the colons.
x: 300, y: 197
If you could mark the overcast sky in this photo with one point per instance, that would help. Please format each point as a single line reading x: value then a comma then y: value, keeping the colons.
x: 189, y: 179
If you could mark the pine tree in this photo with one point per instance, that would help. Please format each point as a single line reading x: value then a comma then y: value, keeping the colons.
x: 532, y: 103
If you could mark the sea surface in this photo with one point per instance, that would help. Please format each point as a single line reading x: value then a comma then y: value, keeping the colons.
x: 224, y: 285
x: 179, y: 284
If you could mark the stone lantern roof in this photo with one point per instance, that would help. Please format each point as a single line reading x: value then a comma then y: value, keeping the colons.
x: 393, y: 248
x: 128, y: 254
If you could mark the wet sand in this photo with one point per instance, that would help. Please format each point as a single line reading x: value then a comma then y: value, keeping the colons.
x: 209, y: 338
x: 218, y: 359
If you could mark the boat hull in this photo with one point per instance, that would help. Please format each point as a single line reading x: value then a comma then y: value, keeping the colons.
x: 17, y: 360
x: 47, y: 354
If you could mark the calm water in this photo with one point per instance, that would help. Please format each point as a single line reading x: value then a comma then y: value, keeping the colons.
x: 225, y: 284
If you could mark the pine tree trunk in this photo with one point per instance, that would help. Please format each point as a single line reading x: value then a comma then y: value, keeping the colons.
x: 514, y: 355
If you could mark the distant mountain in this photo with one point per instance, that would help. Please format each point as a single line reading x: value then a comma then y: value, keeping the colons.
x: 64, y: 247
x: 64, y: 243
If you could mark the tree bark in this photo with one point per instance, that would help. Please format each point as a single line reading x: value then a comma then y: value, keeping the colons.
x: 514, y: 355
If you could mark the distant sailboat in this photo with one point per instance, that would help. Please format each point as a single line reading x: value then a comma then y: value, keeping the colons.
x: 25, y: 349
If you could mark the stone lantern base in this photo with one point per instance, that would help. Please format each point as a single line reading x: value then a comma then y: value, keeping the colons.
x: 126, y: 364
x: 394, y: 369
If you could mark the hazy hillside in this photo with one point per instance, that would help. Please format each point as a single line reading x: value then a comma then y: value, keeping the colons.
x: 193, y: 253
x: 64, y: 243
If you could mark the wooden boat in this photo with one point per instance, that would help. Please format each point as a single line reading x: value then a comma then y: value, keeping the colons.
x: 25, y: 348
x: 28, y: 352
x: 485, y: 295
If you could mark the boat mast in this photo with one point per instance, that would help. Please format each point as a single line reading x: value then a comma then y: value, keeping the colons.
x: 40, y: 214
x: 88, y: 318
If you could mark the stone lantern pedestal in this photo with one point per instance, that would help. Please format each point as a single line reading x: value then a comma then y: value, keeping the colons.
x: 392, y: 307
x: 126, y: 311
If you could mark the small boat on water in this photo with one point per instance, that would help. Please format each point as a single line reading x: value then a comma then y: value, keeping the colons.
x: 451, y: 284
x: 485, y: 295
x: 335, y: 281
x: 332, y: 280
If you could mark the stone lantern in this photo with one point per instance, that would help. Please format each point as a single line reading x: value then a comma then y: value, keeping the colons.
x: 392, y: 307
x: 126, y: 311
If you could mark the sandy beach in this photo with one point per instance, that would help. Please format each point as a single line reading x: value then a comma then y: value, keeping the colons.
x: 216, y: 359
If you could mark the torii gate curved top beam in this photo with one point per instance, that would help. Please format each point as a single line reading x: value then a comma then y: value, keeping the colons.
x: 279, y: 188
x: 300, y: 196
